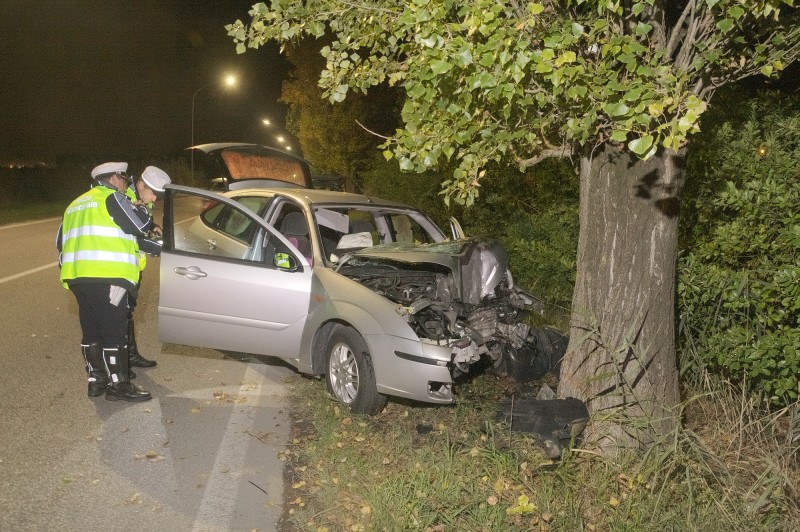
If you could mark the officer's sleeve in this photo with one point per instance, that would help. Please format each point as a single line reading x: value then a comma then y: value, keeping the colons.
x: 59, y: 239
x: 60, y: 242
x: 132, y: 219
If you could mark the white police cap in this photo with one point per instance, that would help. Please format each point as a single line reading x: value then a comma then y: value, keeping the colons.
x: 107, y: 169
x: 155, y: 179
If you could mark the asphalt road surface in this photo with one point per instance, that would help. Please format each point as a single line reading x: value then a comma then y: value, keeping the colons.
x: 202, y: 455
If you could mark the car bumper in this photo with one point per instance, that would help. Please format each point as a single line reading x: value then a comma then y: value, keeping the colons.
x: 415, y: 370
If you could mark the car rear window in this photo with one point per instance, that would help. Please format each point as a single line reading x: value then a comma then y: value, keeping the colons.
x: 244, y: 165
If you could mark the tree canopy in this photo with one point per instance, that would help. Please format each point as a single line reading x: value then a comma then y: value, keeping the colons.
x: 336, y: 139
x: 489, y: 80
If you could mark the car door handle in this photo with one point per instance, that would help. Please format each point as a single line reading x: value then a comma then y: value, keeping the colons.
x: 212, y: 244
x: 191, y: 272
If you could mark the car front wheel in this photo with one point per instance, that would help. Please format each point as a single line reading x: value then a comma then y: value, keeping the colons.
x: 350, y: 376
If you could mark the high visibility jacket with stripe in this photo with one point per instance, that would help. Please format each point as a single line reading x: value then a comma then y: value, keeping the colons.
x: 93, y: 246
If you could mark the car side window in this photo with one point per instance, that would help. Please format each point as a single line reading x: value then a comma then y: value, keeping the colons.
x: 224, y: 231
x: 211, y: 213
x: 403, y: 228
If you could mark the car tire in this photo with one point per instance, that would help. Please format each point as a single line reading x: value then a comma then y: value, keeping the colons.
x: 349, y: 374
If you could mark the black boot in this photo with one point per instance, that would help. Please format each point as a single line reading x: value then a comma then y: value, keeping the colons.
x: 135, y: 358
x: 121, y: 388
x: 95, y: 368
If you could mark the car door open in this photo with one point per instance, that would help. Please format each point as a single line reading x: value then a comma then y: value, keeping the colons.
x: 228, y: 279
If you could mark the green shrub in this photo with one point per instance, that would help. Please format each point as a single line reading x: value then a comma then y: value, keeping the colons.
x: 739, y: 282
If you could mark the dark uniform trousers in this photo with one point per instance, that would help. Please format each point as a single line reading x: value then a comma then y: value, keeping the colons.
x: 101, y: 322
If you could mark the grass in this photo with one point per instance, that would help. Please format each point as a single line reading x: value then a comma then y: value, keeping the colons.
x: 32, y: 211
x: 417, y: 467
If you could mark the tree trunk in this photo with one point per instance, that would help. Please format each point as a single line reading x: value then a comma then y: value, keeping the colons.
x: 621, y: 354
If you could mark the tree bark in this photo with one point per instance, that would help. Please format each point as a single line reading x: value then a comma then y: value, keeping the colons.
x: 621, y: 355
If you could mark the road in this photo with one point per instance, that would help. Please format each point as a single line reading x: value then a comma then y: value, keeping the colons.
x: 202, y: 455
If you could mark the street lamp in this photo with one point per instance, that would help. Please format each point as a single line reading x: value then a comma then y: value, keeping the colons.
x: 279, y: 138
x: 229, y: 81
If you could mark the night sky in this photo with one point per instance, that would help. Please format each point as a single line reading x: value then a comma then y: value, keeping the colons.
x: 90, y: 77
x: 116, y: 78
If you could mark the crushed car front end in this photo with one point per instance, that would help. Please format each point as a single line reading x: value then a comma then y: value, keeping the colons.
x: 458, y: 297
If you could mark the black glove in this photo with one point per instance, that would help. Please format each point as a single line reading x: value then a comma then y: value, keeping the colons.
x: 150, y: 246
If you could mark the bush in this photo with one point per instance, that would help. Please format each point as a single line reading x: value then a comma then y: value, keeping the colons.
x: 739, y: 285
x: 535, y: 215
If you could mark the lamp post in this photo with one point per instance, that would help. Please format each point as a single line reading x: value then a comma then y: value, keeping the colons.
x: 229, y: 81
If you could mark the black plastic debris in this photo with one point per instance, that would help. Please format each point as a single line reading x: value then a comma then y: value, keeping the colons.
x: 542, y: 353
x: 554, y: 422
x: 424, y: 428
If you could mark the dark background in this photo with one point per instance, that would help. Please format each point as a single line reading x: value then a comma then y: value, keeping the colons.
x: 116, y: 78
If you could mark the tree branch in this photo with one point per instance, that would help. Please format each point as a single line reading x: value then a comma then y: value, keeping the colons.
x: 365, y: 128
x: 559, y: 152
x: 677, y: 29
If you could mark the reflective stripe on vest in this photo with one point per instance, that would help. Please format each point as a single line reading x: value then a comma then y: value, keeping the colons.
x: 93, y: 245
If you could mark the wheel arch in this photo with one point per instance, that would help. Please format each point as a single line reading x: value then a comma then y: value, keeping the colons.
x: 320, y: 343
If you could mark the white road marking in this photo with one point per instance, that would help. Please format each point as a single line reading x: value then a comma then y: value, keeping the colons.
x: 28, y: 272
x: 219, y: 498
x: 22, y: 224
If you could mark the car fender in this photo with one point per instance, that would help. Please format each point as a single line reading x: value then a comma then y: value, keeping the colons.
x: 403, y: 365
x: 337, y: 299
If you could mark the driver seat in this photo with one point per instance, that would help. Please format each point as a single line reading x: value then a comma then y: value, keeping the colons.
x: 295, y: 229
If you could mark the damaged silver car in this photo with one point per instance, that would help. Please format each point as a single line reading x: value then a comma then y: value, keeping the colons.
x: 369, y: 294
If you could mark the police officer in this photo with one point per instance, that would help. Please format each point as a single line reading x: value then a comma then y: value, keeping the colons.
x: 99, y: 262
x: 144, y: 191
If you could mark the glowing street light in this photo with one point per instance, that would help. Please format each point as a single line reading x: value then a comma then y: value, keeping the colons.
x: 229, y: 81
x: 280, y: 137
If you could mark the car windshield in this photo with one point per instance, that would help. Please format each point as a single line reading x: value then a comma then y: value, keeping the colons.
x: 348, y: 228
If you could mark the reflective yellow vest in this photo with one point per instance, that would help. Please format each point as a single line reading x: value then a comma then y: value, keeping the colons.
x: 93, y: 245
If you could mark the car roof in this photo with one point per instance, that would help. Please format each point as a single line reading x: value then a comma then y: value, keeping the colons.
x: 311, y: 196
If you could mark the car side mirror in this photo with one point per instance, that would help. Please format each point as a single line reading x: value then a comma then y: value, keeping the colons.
x: 285, y: 261
x: 219, y: 184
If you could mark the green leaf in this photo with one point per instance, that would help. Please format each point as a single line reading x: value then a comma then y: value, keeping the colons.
x: 463, y: 58
x: 641, y: 145
x: 439, y: 67
x: 736, y: 12
x: 340, y: 93
x: 567, y: 57
x: 655, y: 109
x: 616, y: 109
x: 619, y: 136
x: 535, y: 9
x: 725, y: 25
x: 643, y: 29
